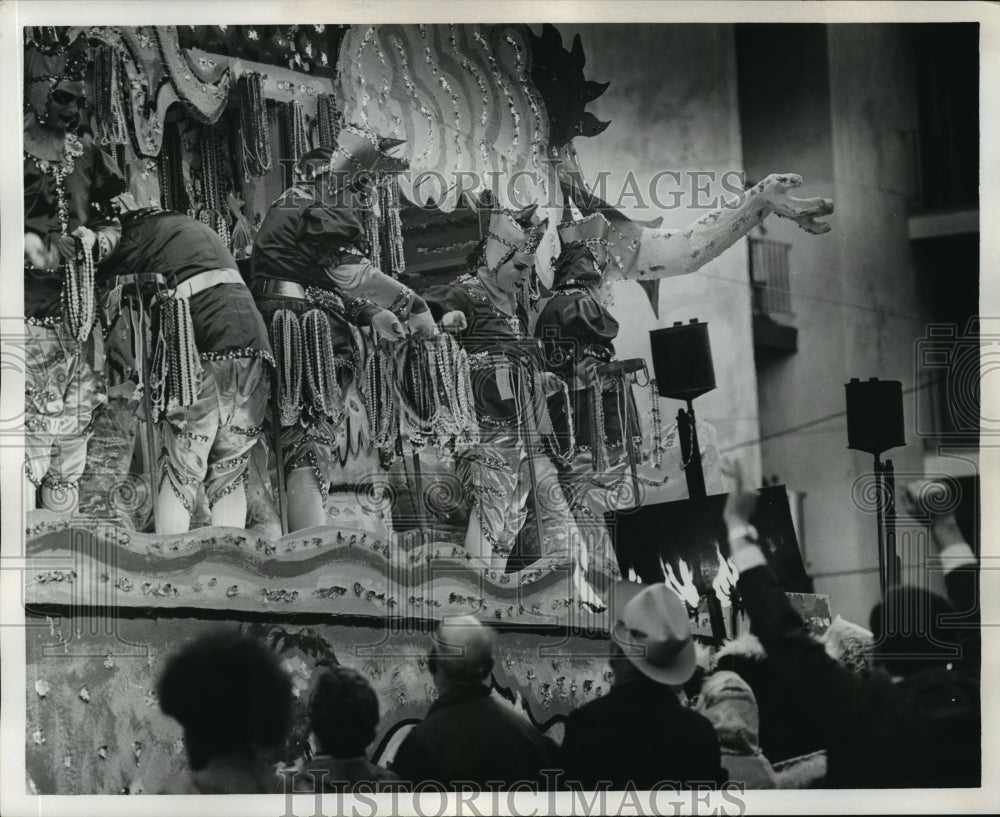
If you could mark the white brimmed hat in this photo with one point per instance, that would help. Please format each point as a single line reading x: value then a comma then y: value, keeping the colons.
x: 654, y: 632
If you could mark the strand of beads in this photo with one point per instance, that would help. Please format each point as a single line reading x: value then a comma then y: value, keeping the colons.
x: 173, y: 191
x: 654, y: 399
x: 322, y: 389
x: 293, y: 130
x: 157, y: 383
x: 329, y: 120
x: 392, y: 225
x: 565, y: 457
x: 210, y: 169
x: 255, y: 138
x: 108, y: 76
x: 597, y: 439
x: 77, y: 297
x: 286, y: 338
x: 183, y: 365
x: 372, y: 220
x: 383, y: 408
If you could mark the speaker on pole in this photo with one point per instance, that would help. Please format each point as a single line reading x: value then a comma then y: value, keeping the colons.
x: 682, y: 360
x: 874, y: 415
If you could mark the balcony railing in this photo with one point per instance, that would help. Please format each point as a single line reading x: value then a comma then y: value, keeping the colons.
x: 770, y: 277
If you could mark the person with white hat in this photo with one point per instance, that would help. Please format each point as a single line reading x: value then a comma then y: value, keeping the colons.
x: 640, y: 735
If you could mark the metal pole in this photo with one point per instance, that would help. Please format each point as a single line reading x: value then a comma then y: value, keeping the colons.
x: 687, y: 429
x: 893, y: 560
x: 879, y: 487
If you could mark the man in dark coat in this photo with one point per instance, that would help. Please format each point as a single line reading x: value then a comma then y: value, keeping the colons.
x: 467, y: 736
x: 914, y: 720
x: 640, y: 735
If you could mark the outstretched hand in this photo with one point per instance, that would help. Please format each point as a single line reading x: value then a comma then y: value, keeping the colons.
x: 742, y: 501
x: 936, y: 499
x: 803, y: 212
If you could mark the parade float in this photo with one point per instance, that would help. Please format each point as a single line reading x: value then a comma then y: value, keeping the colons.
x: 208, y: 120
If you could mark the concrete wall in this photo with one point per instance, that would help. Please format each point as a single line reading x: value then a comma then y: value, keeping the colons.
x: 673, y: 106
x: 838, y: 101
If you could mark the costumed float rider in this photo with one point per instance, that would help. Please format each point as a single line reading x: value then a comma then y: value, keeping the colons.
x: 314, y: 284
x: 481, y: 308
x: 211, y: 363
x: 577, y: 333
x: 67, y: 229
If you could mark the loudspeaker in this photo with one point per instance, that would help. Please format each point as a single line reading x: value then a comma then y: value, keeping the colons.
x: 874, y: 415
x: 682, y: 360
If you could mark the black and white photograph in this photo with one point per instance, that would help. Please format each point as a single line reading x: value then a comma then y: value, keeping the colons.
x: 498, y: 408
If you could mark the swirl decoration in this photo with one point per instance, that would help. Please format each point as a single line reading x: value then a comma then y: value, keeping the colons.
x: 128, y: 494
x: 869, y: 493
x: 377, y: 495
x: 444, y: 494
x: 61, y: 496
x: 940, y: 496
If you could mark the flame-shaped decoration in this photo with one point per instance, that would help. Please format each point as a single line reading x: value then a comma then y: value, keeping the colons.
x: 558, y: 76
x: 725, y: 579
x: 681, y: 582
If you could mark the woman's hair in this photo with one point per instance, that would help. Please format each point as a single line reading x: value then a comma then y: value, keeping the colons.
x: 229, y: 693
x: 343, y: 712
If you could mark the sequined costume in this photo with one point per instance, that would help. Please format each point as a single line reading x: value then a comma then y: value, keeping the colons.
x: 315, y: 286
x: 509, y: 385
x: 64, y: 385
x: 577, y: 333
x: 209, y: 440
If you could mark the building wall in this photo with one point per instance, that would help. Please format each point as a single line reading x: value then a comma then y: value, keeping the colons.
x: 840, y: 100
x: 673, y: 106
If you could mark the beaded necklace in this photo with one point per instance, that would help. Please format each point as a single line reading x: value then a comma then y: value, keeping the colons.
x: 214, y: 213
x: 654, y: 399
x: 320, y: 367
x: 293, y: 130
x: 255, y: 138
x: 176, y: 373
x: 286, y: 338
x: 77, y: 298
x: 109, y: 76
x: 328, y: 117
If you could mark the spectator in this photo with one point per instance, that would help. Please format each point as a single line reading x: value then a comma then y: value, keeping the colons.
x: 914, y: 720
x: 467, y: 737
x: 234, y: 701
x: 728, y: 702
x: 343, y: 716
x: 784, y: 730
x: 640, y: 734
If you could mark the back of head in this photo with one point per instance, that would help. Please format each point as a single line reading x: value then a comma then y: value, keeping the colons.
x: 229, y: 693
x: 462, y: 651
x: 909, y: 632
x: 343, y: 712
